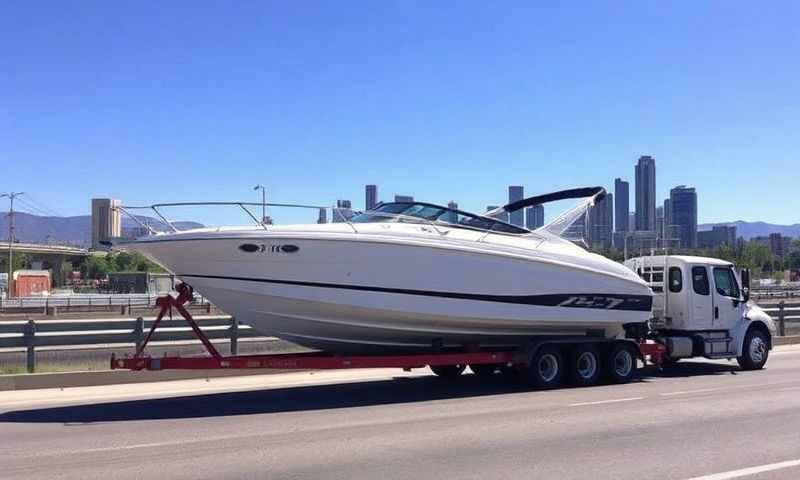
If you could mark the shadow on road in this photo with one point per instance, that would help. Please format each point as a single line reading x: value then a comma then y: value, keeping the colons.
x: 305, y: 398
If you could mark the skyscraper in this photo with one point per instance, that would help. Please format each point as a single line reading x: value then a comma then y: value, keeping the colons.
x: 371, y: 192
x: 621, y: 205
x: 503, y: 217
x: 451, y: 217
x: 601, y: 221
x: 534, y: 217
x: 646, y: 193
x: 683, y: 203
x: 660, y: 222
x: 516, y: 193
x: 106, y: 220
x: 342, y: 212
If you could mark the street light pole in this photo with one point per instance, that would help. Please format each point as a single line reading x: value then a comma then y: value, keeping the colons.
x: 10, y: 283
x: 263, y: 202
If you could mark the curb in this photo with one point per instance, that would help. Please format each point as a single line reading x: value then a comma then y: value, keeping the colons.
x: 30, y: 381
x: 787, y: 340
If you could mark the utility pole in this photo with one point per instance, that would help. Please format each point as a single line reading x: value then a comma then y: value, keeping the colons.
x: 263, y: 202
x: 11, y: 196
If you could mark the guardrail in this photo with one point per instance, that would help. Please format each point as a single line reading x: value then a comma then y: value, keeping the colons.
x: 775, y: 292
x: 69, y: 333
x: 50, y: 304
x: 782, y: 313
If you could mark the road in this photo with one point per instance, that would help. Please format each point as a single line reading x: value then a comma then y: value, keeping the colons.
x: 700, y: 419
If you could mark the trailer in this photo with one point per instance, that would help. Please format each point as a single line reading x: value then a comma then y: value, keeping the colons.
x: 542, y: 362
x: 680, y: 328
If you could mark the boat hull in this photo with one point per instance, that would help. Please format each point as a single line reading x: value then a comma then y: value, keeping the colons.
x: 357, y: 294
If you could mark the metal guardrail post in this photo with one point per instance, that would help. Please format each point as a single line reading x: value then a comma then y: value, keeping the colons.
x: 30, y: 339
x: 781, y: 319
x: 234, y: 336
x: 138, y: 332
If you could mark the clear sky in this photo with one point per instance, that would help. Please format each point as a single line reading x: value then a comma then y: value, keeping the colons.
x: 196, y: 100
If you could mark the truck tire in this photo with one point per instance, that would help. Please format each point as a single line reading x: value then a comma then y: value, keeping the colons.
x: 754, y: 351
x: 546, y: 368
x: 448, y: 371
x: 621, y: 363
x: 585, y: 365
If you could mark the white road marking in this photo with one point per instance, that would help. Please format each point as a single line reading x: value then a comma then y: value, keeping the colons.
x: 744, y: 472
x: 601, y: 402
x: 687, y: 392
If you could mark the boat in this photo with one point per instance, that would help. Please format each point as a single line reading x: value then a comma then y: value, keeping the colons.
x: 408, y: 276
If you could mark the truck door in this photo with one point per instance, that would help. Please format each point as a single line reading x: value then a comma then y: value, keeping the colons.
x: 727, y: 299
x: 702, y: 303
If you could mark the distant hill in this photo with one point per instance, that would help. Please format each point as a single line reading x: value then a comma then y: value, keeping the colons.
x: 748, y: 230
x: 70, y: 230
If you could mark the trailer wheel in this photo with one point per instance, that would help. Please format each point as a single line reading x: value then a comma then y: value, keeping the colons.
x: 585, y: 365
x: 485, y: 369
x: 448, y: 371
x: 546, y: 367
x: 621, y: 364
x: 756, y: 350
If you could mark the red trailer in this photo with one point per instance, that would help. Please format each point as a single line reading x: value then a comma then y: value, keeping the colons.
x: 445, y: 363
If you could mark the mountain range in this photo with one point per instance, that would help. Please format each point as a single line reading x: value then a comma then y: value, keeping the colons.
x: 78, y: 230
x: 748, y: 230
x: 75, y: 231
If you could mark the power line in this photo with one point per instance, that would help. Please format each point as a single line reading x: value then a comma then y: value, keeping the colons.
x: 11, y: 196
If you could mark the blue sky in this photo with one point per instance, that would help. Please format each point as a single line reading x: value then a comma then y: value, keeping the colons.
x: 169, y: 101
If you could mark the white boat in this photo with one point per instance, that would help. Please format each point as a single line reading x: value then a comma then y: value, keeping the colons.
x: 407, y: 276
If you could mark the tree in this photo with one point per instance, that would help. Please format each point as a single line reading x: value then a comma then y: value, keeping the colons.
x: 95, y: 267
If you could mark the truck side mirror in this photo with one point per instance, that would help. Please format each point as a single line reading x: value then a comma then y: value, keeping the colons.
x: 746, y: 284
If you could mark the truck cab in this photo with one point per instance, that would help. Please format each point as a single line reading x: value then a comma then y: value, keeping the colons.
x: 701, y: 308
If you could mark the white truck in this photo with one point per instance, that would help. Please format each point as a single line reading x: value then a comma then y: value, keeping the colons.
x: 701, y: 308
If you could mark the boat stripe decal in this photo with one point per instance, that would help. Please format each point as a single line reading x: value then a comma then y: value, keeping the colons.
x: 602, y: 301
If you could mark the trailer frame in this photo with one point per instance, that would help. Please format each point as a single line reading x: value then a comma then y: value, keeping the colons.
x: 471, y: 354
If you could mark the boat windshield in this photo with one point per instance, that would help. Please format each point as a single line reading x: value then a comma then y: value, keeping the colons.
x: 428, y: 212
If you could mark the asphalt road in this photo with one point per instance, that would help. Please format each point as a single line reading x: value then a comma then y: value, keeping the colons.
x: 702, y: 419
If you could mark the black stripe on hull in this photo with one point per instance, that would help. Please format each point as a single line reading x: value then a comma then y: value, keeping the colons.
x: 601, y: 301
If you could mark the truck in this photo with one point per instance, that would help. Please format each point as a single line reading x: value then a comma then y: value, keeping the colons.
x: 700, y: 308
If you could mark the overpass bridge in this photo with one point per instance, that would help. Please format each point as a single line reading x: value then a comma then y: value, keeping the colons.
x: 51, y: 256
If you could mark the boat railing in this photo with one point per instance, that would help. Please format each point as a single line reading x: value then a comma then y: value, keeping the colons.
x: 127, y: 210
x: 336, y: 216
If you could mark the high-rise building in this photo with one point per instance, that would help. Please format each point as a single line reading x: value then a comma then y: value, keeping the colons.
x: 683, y: 203
x: 451, y: 217
x: 776, y: 244
x: 404, y: 198
x: 534, y: 217
x: 515, y: 194
x: 601, y: 221
x: 343, y: 211
x: 660, y: 222
x: 106, y: 220
x: 371, y: 194
x: 503, y: 217
x: 621, y: 205
x: 717, y: 236
x: 646, y: 193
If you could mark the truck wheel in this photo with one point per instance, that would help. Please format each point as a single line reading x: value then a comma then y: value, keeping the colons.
x: 484, y: 370
x: 621, y: 364
x: 546, y: 368
x: 756, y: 350
x: 448, y: 371
x: 585, y: 366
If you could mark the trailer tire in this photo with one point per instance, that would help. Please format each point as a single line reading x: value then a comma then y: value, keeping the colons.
x: 546, y: 367
x: 585, y: 365
x: 621, y: 363
x: 755, y: 350
x: 448, y: 371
